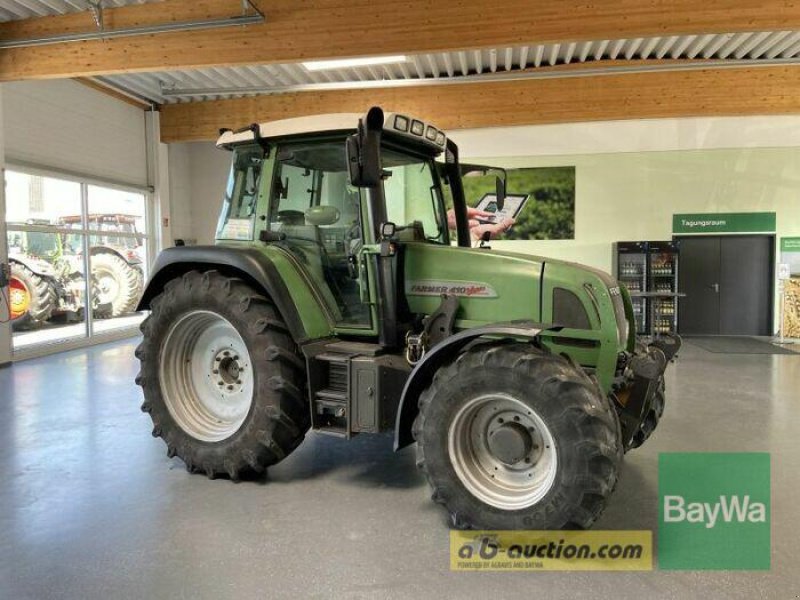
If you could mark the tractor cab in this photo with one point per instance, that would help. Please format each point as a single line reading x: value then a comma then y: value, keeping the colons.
x: 294, y: 187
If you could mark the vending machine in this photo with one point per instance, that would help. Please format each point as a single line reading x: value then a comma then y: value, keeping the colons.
x: 663, y: 278
x: 632, y: 272
x: 650, y: 272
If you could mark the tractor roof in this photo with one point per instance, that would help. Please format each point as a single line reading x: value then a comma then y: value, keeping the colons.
x: 394, y: 123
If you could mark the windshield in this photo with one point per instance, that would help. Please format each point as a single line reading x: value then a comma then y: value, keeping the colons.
x: 413, y: 198
x: 237, y: 220
x: 42, y: 245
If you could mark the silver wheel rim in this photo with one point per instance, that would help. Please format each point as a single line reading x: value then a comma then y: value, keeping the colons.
x: 502, y: 451
x: 206, y: 376
x: 107, y: 286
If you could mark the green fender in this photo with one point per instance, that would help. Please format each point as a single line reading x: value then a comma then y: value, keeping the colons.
x: 270, y: 270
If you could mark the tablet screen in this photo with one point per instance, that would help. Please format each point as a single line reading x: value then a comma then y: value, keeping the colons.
x: 511, y: 208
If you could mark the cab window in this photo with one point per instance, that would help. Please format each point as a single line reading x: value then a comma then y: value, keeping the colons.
x: 413, y: 199
x: 318, y: 214
x: 237, y: 219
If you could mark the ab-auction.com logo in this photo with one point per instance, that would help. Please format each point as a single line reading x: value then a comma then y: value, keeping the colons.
x: 714, y: 511
x: 551, y: 550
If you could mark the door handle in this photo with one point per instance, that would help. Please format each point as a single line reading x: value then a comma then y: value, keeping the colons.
x: 715, y: 287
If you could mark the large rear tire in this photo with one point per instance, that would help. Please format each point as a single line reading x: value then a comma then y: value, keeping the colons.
x: 223, y: 381
x: 120, y: 284
x: 33, y: 298
x: 512, y: 437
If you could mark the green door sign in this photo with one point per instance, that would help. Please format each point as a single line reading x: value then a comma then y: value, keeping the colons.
x: 753, y: 222
x: 790, y: 244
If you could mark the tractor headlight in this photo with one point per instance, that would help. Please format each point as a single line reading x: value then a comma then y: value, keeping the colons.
x: 401, y: 123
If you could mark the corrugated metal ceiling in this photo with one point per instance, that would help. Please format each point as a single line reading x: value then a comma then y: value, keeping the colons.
x: 191, y: 85
x: 12, y: 10
x: 232, y: 82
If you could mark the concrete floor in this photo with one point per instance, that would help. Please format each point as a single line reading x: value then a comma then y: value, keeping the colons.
x: 91, y: 507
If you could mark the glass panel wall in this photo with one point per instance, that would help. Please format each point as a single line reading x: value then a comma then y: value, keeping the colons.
x: 58, y: 230
x: 116, y: 225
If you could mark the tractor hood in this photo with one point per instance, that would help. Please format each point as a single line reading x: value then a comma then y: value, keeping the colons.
x: 495, y: 286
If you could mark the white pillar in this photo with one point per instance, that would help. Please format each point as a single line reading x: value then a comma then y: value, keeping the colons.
x: 158, y: 178
x: 5, y: 328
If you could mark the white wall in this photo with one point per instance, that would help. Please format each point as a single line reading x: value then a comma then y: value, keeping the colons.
x: 65, y: 125
x: 644, y: 135
x: 198, y: 175
x: 632, y: 196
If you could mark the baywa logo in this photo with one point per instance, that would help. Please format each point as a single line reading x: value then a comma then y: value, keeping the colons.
x: 729, y: 509
x: 715, y: 511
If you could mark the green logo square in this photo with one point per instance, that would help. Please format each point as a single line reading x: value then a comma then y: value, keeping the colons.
x: 714, y: 510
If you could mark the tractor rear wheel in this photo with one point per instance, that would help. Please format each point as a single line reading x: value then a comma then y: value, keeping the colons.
x: 32, y: 297
x: 119, y: 284
x: 223, y: 381
x: 512, y: 437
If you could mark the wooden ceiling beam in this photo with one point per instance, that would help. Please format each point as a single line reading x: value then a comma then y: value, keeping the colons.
x: 708, y: 92
x: 318, y: 29
x: 116, y: 94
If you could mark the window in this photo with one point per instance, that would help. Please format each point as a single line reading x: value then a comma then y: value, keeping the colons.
x: 241, y: 195
x: 413, y: 201
x: 58, y: 230
x: 313, y: 205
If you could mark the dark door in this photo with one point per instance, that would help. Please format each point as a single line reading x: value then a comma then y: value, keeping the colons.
x: 745, y: 285
x: 728, y: 285
x: 698, y: 278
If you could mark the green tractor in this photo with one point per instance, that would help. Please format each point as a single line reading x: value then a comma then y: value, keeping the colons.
x: 338, y: 299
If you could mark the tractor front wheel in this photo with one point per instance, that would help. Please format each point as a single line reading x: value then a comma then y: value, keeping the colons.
x: 223, y: 381
x: 513, y: 437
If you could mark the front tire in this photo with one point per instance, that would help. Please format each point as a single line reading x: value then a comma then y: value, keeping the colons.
x: 513, y: 437
x: 223, y: 381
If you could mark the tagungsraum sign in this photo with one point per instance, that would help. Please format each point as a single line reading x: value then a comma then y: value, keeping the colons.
x: 714, y: 511
x: 750, y: 222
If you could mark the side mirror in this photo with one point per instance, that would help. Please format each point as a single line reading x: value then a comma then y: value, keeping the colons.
x: 500, y: 192
x: 363, y: 150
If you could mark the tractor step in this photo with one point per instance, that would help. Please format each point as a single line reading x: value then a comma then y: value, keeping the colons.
x: 353, y: 386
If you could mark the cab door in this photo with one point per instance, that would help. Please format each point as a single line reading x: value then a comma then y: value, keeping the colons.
x: 318, y: 215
